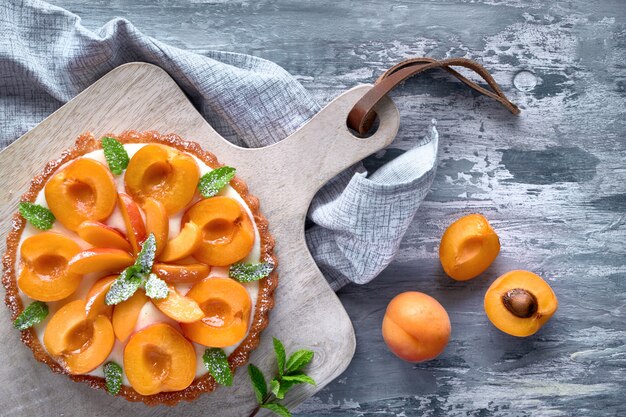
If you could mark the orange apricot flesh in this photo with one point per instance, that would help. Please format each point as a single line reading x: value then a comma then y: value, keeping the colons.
x: 157, y: 223
x: 102, y: 236
x: 100, y: 260
x: 182, y: 245
x: 83, y: 190
x: 159, y: 359
x: 79, y: 343
x: 226, y: 229
x: 416, y: 327
x: 126, y: 314
x: 179, y: 308
x: 135, y: 227
x: 226, y: 305
x: 45, y: 274
x: 181, y: 273
x: 468, y: 247
x: 164, y: 174
x: 520, y: 303
x: 95, y: 303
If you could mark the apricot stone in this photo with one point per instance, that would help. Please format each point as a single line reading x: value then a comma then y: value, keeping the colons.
x: 102, y: 236
x: 416, y: 327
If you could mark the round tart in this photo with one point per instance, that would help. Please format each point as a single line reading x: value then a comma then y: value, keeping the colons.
x: 183, y: 300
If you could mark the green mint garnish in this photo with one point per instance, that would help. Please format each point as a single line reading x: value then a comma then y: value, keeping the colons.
x: 212, y: 182
x: 298, y: 360
x: 33, y: 314
x: 156, y: 288
x: 277, y: 409
x: 250, y: 272
x: 145, y: 257
x: 258, y: 383
x: 125, y: 285
x: 298, y: 378
x: 216, y: 363
x: 37, y: 215
x: 113, y: 377
x: 115, y: 154
x: 279, y: 350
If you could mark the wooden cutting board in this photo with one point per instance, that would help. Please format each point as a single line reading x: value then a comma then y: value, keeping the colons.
x: 284, y: 177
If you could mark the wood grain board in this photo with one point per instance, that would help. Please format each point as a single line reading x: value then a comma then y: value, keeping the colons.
x: 284, y: 177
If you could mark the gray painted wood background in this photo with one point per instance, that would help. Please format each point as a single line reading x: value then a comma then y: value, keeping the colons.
x: 552, y: 183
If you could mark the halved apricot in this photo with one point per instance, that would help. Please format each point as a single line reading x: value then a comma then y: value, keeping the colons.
x: 164, y: 174
x: 95, y: 304
x: 45, y: 275
x: 159, y: 359
x: 519, y: 303
x: 226, y: 305
x: 227, y: 231
x: 102, y: 236
x: 79, y: 343
x: 126, y: 313
x: 83, y: 190
x: 178, y: 307
x: 157, y: 222
x: 182, y: 245
x: 100, y: 260
x: 181, y: 273
x: 135, y: 228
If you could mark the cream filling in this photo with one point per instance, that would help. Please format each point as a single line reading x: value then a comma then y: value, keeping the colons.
x: 149, y: 313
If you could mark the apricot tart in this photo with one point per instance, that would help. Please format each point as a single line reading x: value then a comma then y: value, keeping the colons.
x: 135, y: 261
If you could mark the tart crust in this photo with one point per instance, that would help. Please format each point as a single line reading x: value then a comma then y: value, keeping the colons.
x: 265, y: 302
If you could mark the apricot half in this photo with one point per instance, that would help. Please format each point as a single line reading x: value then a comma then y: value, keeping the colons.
x: 226, y: 229
x: 45, y: 274
x: 164, y: 174
x: 81, y: 344
x: 468, y: 247
x: 126, y: 314
x: 181, y: 273
x: 159, y: 359
x: 226, y: 306
x: 83, y: 190
x: 157, y: 223
x: 520, y: 302
x: 416, y: 327
x: 102, y: 236
x: 178, y: 307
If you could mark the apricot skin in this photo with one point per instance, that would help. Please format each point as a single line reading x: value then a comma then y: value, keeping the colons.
x: 468, y: 247
x: 507, y: 321
x: 135, y: 228
x: 416, y: 327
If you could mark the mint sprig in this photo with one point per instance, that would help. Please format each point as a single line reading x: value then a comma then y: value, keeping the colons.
x: 115, y: 155
x: 35, y: 313
x: 113, y: 377
x: 156, y: 288
x: 145, y: 257
x: 216, y: 362
x: 129, y: 281
x: 213, y: 181
x: 250, y: 272
x: 39, y: 216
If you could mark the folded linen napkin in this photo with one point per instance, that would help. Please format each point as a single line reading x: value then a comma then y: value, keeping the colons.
x: 47, y: 57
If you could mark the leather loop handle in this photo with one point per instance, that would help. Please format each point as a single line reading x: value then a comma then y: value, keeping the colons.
x: 362, y: 114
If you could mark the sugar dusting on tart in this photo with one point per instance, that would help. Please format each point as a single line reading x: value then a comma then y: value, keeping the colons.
x: 264, y: 302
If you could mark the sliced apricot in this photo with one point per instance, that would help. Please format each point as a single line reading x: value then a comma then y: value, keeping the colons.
x: 79, y: 343
x: 102, y: 236
x: 83, y: 190
x: 157, y: 222
x: 135, y: 228
x: 182, y: 245
x: 227, y: 231
x: 126, y: 313
x: 226, y: 305
x: 100, y: 260
x: 159, y: 359
x: 468, y: 247
x: 45, y: 274
x: 519, y: 303
x: 164, y: 174
x: 95, y: 303
x: 181, y: 273
x: 178, y: 307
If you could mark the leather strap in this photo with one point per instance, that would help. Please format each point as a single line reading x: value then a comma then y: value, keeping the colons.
x: 363, y: 115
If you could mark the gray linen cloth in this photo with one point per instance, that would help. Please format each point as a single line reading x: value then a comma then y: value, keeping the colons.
x: 358, y: 220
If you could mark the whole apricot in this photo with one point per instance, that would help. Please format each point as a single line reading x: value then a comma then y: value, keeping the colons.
x: 468, y: 247
x: 519, y: 303
x: 416, y: 327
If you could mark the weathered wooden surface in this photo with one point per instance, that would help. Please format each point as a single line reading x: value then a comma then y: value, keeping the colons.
x: 552, y: 182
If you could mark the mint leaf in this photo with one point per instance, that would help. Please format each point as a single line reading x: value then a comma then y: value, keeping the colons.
x: 115, y: 154
x: 279, y: 349
x: 212, y: 182
x: 216, y: 362
x: 125, y: 285
x: 35, y: 313
x: 258, y: 383
x: 298, y: 360
x: 277, y: 408
x: 113, y: 377
x: 279, y: 389
x: 156, y: 288
x: 275, y: 386
x: 250, y: 272
x: 37, y: 215
x: 299, y: 378
x: 145, y: 257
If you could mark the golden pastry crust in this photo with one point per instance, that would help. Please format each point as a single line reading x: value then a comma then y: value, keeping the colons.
x: 265, y: 302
